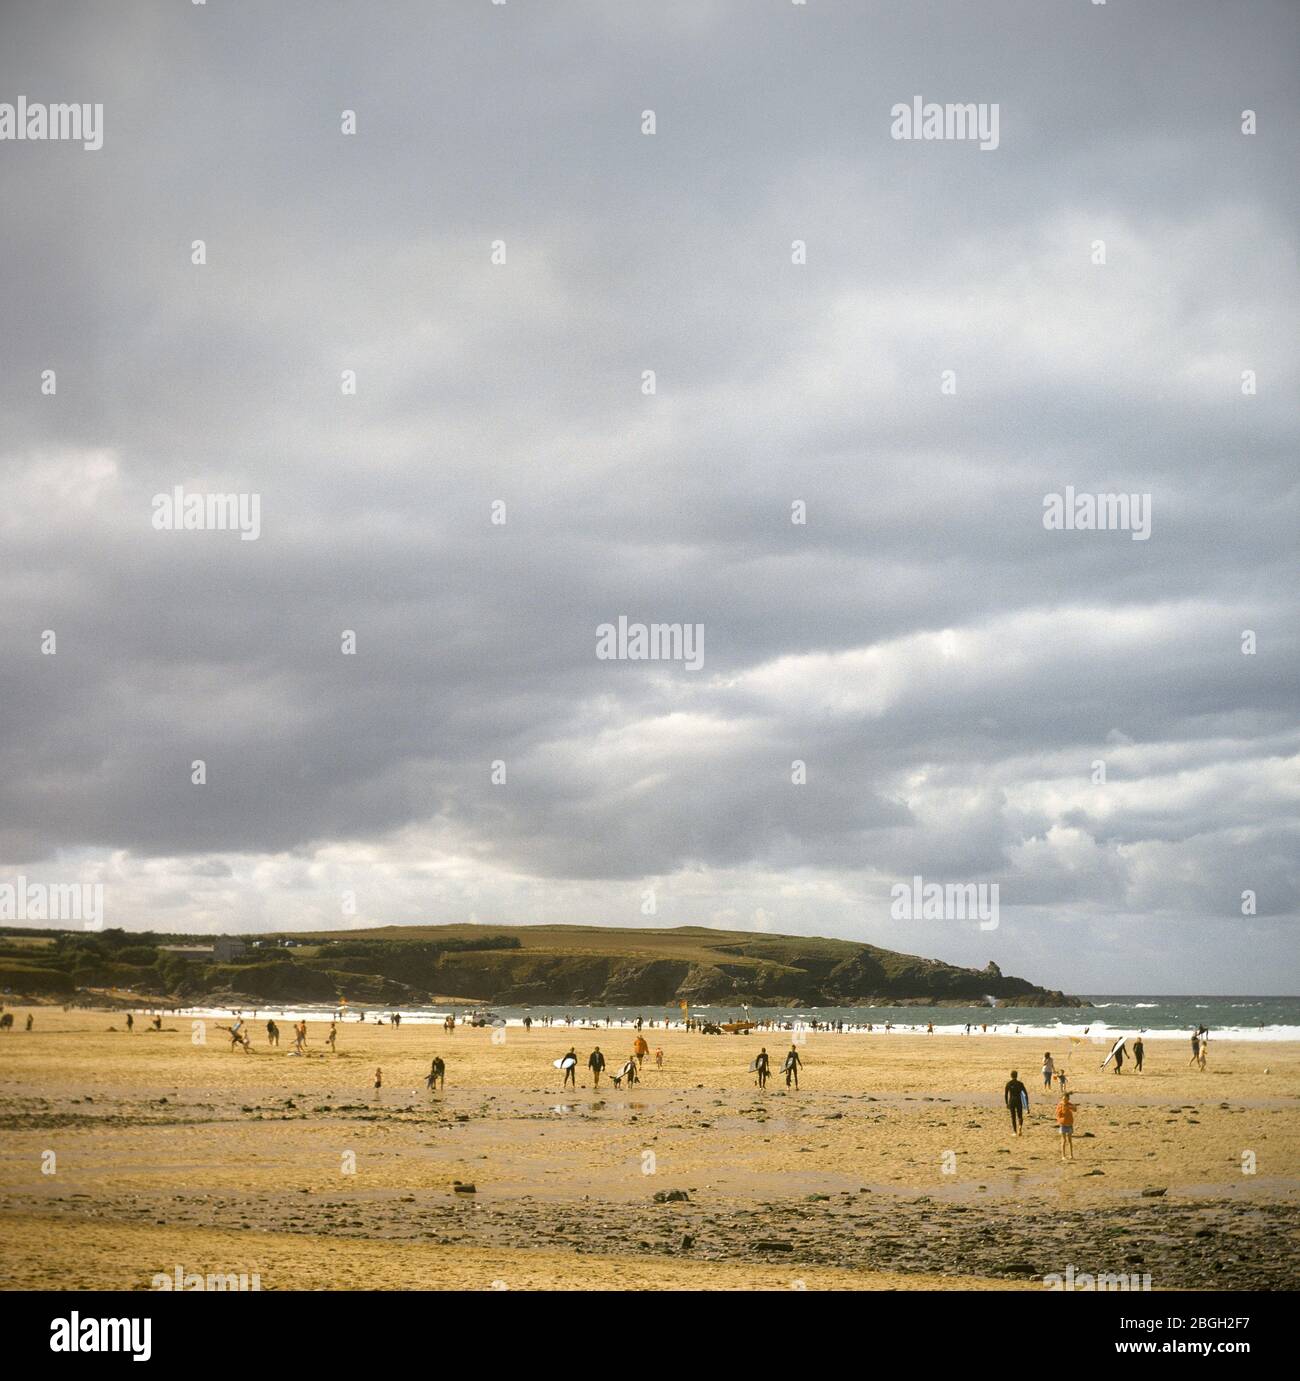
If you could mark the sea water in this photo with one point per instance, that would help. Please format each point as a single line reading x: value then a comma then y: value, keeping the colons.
x: 1228, y: 1018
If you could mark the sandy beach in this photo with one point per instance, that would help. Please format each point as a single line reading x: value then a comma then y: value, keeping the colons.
x: 893, y: 1167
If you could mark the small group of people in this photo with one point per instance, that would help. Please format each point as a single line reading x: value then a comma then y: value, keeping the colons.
x: 1200, y: 1047
x: 568, y: 1063
x: 238, y: 1032
x: 792, y: 1065
x: 1016, y: 1097
x: 1120, y: 1053
x: 629, y: 1072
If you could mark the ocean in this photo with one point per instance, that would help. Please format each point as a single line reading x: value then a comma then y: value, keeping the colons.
x: 1157, y: 1017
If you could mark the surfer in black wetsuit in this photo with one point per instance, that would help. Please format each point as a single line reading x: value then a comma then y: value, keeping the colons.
x: 762, y: 1067
x: 1119, y: 1057
x: 570, y: 1070
x: 437, y: 1074
x: 1015, y: 1095
x: 792, y: 1067
x: 596, y: 1063
x: 1138, y: 1051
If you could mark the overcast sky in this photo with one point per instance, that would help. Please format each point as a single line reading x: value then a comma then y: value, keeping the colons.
x: 948, y: 669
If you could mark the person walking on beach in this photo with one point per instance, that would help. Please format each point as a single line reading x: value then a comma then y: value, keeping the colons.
x: 762, y: 1067
x: 1016, y: 1096
x: 1196, y: 1048
x: 570, y: 1070
x: 332, y: 1037
x: 29, y: 1021
x: 1065, y: 1124
x: 299, y: 1037
x: 379, y: 1082
x: 1119, y: 1057
x: 1049, y: 1068
x: 397, y: 1018
x: 1205, y: 1047
x: 596, y: 1063
x: 437, y: 1077
x: 272, y: 1033
x: 792, y: 1066
x: 640, y: 1049
x: 1138, y: 1051
x: 528, y: 1023
x: 659, y: 1058
x: 130, y: 1022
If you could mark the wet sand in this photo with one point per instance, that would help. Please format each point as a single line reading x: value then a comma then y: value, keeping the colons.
x: 892, y: 1167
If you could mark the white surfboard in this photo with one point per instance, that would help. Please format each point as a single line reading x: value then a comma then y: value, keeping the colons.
x: 1114, y: 1050
x: 564, y: 1062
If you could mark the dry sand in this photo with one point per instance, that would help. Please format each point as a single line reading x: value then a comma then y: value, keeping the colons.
x: 893, y: 1166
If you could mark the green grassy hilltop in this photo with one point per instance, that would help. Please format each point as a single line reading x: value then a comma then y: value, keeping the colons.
x: 515, y: 965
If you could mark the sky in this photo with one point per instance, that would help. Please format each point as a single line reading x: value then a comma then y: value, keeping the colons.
x: 909, y: 344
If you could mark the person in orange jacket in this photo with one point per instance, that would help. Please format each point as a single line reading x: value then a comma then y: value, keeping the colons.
x: 1065, y: 1124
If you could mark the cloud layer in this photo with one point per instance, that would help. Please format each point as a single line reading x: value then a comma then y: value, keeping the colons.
x: 949, y: 671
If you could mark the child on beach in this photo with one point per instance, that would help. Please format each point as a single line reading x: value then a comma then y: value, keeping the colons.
x: 1065, y: 1123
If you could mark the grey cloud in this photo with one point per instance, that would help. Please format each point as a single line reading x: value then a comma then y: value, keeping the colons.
x: 775, y: 383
